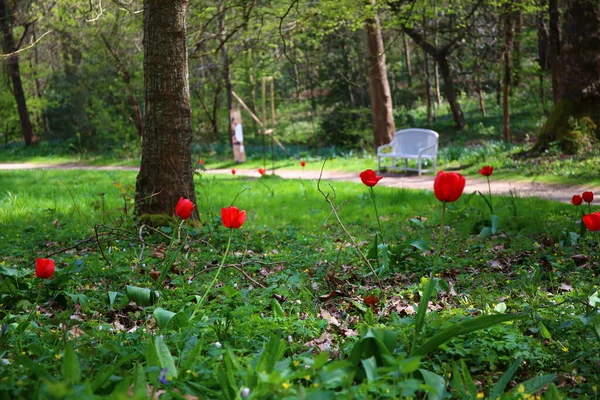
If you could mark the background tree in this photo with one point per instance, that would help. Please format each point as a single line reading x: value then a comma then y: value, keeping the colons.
x: 379, y: 88
x: 10, y: 47
x: 166, y: 172
x: 575, y: 120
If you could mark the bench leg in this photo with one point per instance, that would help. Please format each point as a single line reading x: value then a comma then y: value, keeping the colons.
x: 419, y: 167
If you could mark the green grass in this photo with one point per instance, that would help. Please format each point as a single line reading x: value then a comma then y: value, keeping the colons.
x: 265, y: 325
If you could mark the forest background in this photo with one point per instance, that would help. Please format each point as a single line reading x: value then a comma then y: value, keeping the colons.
x: 75, y: 79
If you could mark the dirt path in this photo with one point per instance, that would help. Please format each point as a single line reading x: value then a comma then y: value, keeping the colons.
x: 562, y: 193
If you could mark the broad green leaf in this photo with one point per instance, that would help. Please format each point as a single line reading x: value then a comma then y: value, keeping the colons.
x: 499, y: 387
x: 468, y: 379
x: 457, y: 383
x: 544, y: 332
x: 422, y: 309
x: 271, y: 353
x: 71, y: 371
x: 139, y: 383
x: 552, y: 393
x: 112, y: 296
x: 436, y: 382
x: 594, y: 300
x: 500, y: 307
x: 141, y: 296
x: 276, y: 308
x: 163, y: 317
x: 536, y: 384
x: 370, y: 367
x: 463, y: 327
x: 164, y: 356
x: 495, y: 221
x: 191, y: 355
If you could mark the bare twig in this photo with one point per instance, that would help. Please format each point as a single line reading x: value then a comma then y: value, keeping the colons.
x: 337, y: 217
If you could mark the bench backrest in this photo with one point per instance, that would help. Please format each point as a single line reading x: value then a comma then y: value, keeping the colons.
x: 409, y: 141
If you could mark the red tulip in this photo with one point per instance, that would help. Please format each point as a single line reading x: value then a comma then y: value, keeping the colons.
x: 184, y: 208
x: 232, y: 217
x: 44, y: 268
x: 588, y: 197
x: 369, y: 177
x: 486, y: 170
x: 577, y: 200
x: 232, y: 171
x: 448, y: 186
x: 201, y: 162
x: 262, y: 171
x: 303, y: 163
x: 592, y: 221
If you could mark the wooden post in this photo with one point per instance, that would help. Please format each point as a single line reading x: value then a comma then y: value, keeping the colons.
x: 237, y: 136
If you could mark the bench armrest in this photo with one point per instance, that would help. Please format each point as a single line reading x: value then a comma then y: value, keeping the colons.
x: 385, y: 146
x: 423, y: 149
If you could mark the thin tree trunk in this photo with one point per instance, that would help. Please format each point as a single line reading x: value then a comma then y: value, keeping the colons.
x: 479, y: 86
x: 450, y: 93
x: 508, y: 44
x: 379, y: 88
x: 409, y: 73
x: 554, y: 33
x: 516, y: 48
x: 436, y: 69
x: 166, y: 172
x: 428, y: 95
x: 12, y: 67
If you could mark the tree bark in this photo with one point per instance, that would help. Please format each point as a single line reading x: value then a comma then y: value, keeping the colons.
x: 379, y: 88
x: 450, y: 92
x: 554, y: 51
x: 516, y: 47
x: 506, y: 78
x: 12, y: 67
x: 577, y: 112
x: 407, y: 61
x: 166, y: 172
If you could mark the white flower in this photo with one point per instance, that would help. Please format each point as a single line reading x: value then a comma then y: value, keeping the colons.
x: 245, y: 392
x: 218, y: 345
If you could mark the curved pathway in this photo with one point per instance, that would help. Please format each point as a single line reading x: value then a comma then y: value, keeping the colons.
x: 557, y: 192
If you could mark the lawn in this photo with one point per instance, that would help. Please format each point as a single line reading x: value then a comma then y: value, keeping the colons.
x: 307, y: 303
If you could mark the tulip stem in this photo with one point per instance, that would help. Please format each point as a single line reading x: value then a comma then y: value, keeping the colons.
x: 212, y: 283
x: 376, y: 213
x: 428, y: 292
x: 490, y: 192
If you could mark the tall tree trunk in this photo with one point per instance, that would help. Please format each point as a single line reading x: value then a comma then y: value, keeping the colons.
x: 166, y: 172
x: 12, y: 67
x: 379, y: 88
x: 516, y: 47
x: 478, y: 84
x: 554, y: 37
x: 450, y: 93
x: 428, y: 96
x: 577, y: 113
x: 407, y: 60
x: 506, y: 78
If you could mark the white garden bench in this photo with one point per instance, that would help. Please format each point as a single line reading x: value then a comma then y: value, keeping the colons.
x: 414, y: 143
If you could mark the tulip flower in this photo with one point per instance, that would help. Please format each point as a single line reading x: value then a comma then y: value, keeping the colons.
x: 303, y: 164
x: 448, y: 186
x: 592, y: 221
x: 232, y: 217
x: 262, y: 171
x: 577, y: 200
x: 184, y: 208
x: 369, y: 177
x: 486, y: 170
x: 44, y: 268
x: 233, y: 171
x: 588, y: 197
